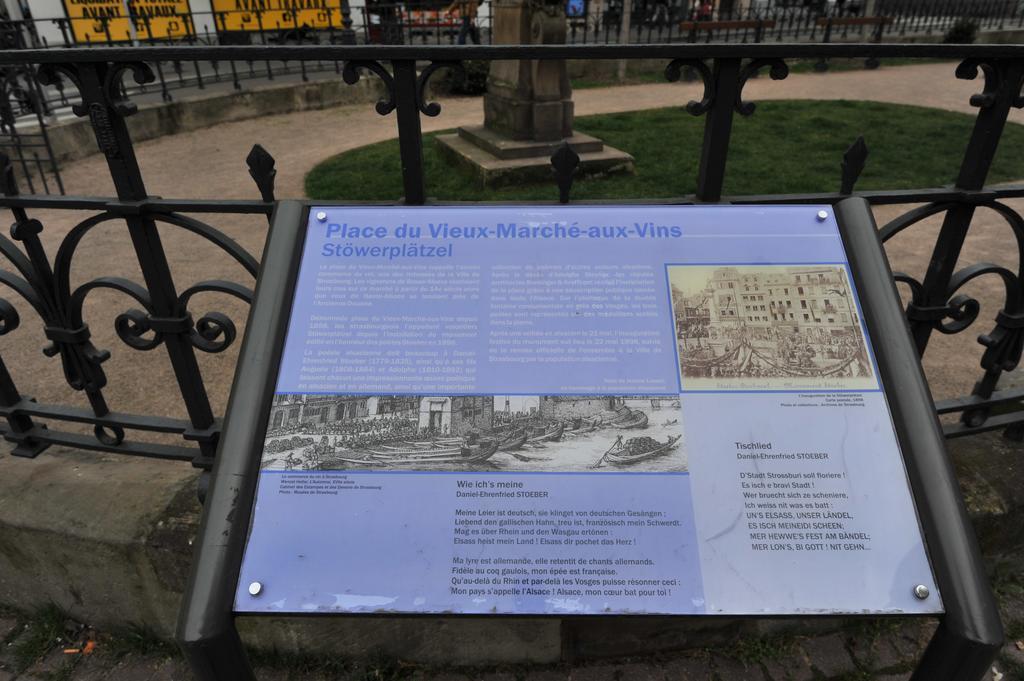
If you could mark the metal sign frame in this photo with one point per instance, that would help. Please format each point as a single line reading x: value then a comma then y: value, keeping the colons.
x: 969, y: 634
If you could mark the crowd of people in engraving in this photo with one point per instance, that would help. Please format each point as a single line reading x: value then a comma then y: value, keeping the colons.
x: 778, y: 354
x: 316, y: 432
x: 767, y: 322
x: 318, y: 441
x: 354, y: 434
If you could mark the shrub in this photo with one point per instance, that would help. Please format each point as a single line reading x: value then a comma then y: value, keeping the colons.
x: 472, y: 82
x: 963, y: 32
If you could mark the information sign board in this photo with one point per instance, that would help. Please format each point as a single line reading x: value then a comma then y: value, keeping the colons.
x: 580, y: 410
x: 274, y: 15
x: 100, y: 21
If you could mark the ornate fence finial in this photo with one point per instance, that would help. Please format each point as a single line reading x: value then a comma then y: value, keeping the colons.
x: 142, y: 74
x: 674, y: 71
x: 777, y: 69
x: 853, y: 165
x: 968, y: 70
x: 433, y: 108
x: 261, y: 169
x: 564, y: 163
x: 350, y: 74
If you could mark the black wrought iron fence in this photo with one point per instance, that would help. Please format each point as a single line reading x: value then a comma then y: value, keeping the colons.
x: 161, y: 319
x: 28, y: 146
x: 429, y: 23
x: 434, y: 22
x: 938, y: 16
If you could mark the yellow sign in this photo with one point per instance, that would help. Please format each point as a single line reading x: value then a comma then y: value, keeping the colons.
x: 274, y: 15
x: 102, y: 21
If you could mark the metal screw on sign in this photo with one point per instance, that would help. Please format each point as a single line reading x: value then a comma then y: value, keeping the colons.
x: 255, y: 588
x: 822, y: 216
x: 321, y: 216
x: 921, y: 591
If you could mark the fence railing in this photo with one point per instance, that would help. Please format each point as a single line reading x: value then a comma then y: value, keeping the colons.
x: 421, y: 23
x: 428, y: 23
x: 160, y: 317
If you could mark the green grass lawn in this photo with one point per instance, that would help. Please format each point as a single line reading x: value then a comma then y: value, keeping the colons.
x: 785, y: 147
x: 835, y: 65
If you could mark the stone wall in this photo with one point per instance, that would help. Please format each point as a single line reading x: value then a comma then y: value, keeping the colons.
x: 556, y: 407
x: 73, y: 139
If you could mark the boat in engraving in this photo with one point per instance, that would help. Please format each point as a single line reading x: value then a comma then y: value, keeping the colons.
x: 549, y: 433
x: 636, y: 419
x: 637, y: 449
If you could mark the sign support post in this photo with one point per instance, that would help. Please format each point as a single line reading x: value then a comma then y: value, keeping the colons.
x: 126, y: 4
x: 624, y: 36
x: 970, y: 633
x: 206, y: 625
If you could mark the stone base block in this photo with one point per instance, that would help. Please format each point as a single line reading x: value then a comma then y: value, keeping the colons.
x: 504, y: 148
x: 498, y: 162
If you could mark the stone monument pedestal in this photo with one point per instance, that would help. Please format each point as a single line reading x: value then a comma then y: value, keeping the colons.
x: 497, y: 160
x: 528, y: 108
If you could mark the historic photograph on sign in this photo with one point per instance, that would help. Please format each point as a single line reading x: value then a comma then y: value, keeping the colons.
x: 779, y: 327
x: 513, y: 433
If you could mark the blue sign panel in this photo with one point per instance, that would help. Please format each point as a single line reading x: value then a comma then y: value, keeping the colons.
x: 580, y: 410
